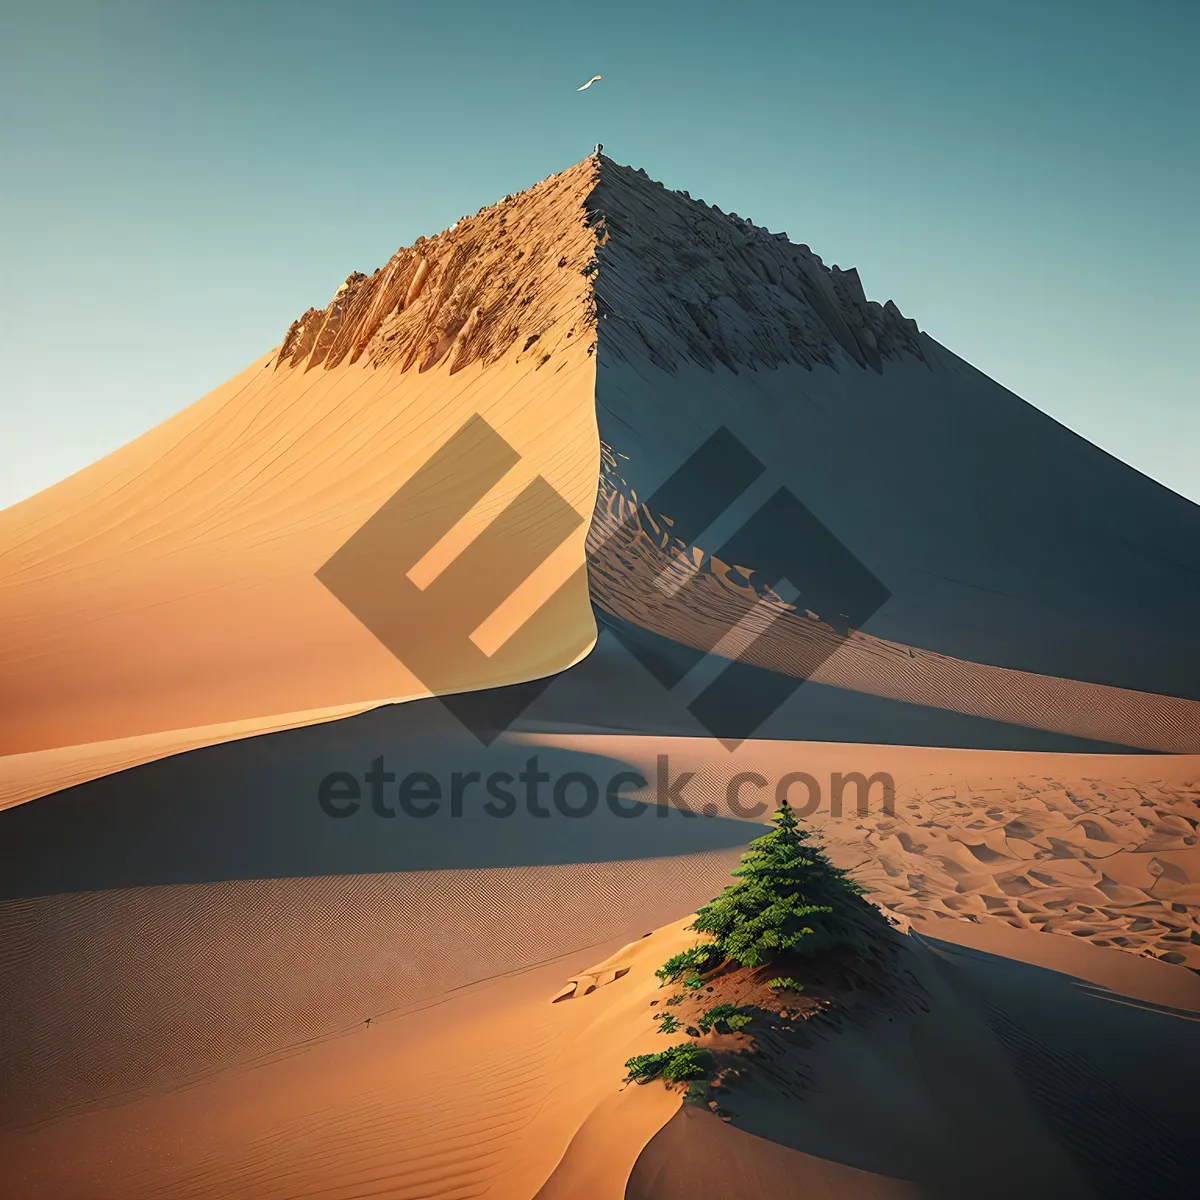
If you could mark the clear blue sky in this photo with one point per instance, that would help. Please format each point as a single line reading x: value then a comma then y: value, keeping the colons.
x: 182, y: 178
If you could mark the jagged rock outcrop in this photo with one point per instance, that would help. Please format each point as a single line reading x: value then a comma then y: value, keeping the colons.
x: 694, y: 283
x: 669, y: 275
x: 506, y: 275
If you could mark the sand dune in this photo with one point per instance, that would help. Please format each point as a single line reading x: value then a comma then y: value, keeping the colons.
x: 479, y: 1090
x: 495, y: 1089
x: 203, y: 914
x: 997, y: 536
x: 955, y: 1096
x: 631, y: 551
x: 171, y: 588
x: 1102, y: 848
x: 168, y: 597
x: 248, y: 997
x: 212, y: 986
x: 697, y: 1154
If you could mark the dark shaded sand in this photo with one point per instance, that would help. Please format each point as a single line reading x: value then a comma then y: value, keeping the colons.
x: 698, y: 1155
x: 1014, y: 1080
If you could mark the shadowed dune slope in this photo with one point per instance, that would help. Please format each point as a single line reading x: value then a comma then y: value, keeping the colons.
x: 905, y: 526
x: 1003, y: 1079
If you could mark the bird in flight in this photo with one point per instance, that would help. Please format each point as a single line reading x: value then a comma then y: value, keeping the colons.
x: 589, y: 83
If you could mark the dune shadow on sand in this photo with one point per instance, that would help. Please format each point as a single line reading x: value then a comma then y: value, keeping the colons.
x: 1017, y: 1080
x: 612, y: 691
x: 251, y: 810
x: 1095, y: 1061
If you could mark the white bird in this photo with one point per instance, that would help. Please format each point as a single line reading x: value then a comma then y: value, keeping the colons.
x: 589, y: 83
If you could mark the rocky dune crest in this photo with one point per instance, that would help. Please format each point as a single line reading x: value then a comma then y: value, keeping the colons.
x: 659, y: 269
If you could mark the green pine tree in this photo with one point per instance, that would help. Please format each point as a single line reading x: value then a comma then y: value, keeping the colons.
x: 789, y: 898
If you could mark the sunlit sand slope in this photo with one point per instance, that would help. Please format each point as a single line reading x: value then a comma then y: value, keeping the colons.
x: 1102, y: 848
x: 167, y: 596
x: 480, y: 1092
x: 511, y: 1087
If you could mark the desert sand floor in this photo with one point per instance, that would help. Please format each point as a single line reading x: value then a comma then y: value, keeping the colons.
x: 512, y: 1088
x: 1100, y: 847
x: 196, y: 991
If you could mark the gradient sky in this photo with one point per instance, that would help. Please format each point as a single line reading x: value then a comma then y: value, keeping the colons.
x: 182, y: 179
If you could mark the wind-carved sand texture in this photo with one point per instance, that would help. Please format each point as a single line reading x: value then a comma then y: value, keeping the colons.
x: 632, y: 551
x: 1111, y: 861
x: 444, y: 298
x: 680, y: 282
x: 138, y: 990
x: 1100, y: 848
x: 480, y: 1092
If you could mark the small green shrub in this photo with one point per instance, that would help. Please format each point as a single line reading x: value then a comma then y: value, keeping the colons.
x: 667, y: 1022
x: 693, y: 983
x: 694, y: 960
x: 785, y: 984
x: 676, y: 1064
x: 724, y: 1018
x: 677, y: 999
x: 788, y: 899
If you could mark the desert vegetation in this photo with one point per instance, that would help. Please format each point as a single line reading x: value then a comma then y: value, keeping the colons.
x: 676, y: 1064
x: 788, y: 899
x: 788, y: 905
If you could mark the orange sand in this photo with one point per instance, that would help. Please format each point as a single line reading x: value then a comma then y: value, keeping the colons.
x: 1104, y: 848
x: 459, y: 1032
x: 222, y: 1025
x: 166, y: 596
